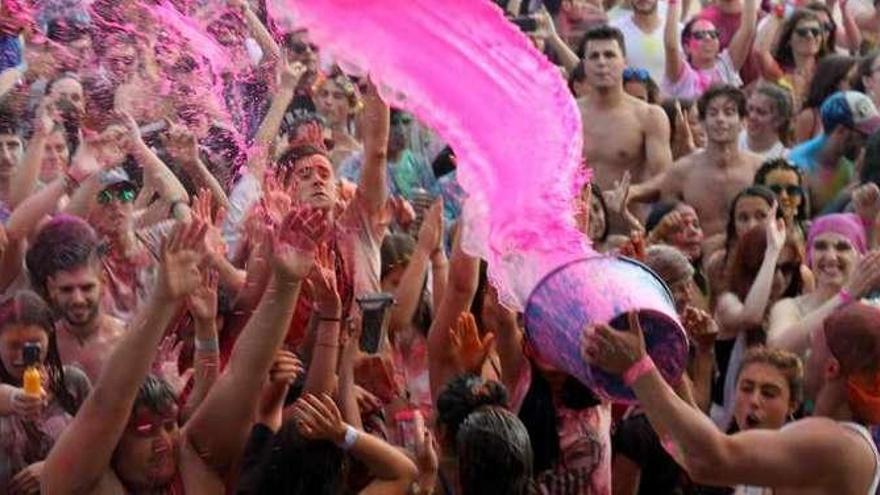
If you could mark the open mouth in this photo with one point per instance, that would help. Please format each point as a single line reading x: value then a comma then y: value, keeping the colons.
x: 752, y: 422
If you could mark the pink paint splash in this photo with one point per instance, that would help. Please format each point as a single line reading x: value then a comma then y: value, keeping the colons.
x: 461, y: 68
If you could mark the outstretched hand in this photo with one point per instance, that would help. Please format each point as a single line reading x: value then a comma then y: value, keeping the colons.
x: 318, y: 418
x: 467, y: 348
x: 182, y: 252
x: 296, y: 241
x: 614, y: 351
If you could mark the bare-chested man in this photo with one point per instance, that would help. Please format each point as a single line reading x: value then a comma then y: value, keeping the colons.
x: 64, y: 268
x: 621, y: 133
x: 829, y: 453
x: 709, y: 179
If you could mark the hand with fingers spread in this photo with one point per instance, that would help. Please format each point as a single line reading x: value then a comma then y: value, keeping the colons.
x: 318, y: 418
x: 182, y: 253
x: 322, y: 284
x: 430, y: 238
x: 683, y: 136
x: 296, y: 241
x: 202, y: 209
x: 635, y: 247
x: 614, y: 351
x: 132, y: 129
x: 700, y: 326
x: 289, y: 75
x: 468, y: 350
x: 617, y: 198
x: 181, y: 144
x: 26, y: 481
x: 865, y: 277
x: 866, y: 200
x: 202, y: 302
x: 285, y: 369
x: 167, y: 364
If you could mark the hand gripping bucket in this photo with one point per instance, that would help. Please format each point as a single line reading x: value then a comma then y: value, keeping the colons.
x: 602, y: 289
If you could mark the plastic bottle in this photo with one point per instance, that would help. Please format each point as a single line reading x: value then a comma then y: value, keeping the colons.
x: 32, y: 379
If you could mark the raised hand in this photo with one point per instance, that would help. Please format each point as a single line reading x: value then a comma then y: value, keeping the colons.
x: 182, y: 252
x: 181, y: 144
x: 430, y: 238
x: 203, y: 210
x: 671, y: 223
x: 617, y: 198
x: 322, y: 284
x: 468, y: 349
x: 296, y: 241
x: 700, y: 327
x: 318, y: 418
x: 132, y: 130
x: 167, y: 364
x: 285, y: 369
x: 289, y: 75
x: 202, y: 302
x: 866, y: 276
x: 775, y: 230
x: 615, y: 351
x: 866, y: 200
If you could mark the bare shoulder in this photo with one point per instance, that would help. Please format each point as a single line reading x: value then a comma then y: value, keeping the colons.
x: 753, y: 160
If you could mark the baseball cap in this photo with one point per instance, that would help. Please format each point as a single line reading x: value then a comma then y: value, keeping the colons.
x: 114, y: 176
x: 850, y: 109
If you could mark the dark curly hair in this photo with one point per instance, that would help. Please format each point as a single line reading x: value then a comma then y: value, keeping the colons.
x: 65, y: 243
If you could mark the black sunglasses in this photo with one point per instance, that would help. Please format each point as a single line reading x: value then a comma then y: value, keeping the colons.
x: 791, y: 189
x: 702, y: 35
x: 809, y: 31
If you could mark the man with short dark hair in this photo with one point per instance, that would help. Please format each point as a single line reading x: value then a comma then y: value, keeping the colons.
x: 64, y: 268
x: 621, y: 133
x: 710, y: 178
x: 11, y: 153
x: 829, y: 453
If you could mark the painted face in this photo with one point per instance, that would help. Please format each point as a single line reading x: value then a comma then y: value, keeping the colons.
x: 55, y: 157
x: 76, y: 294
x: 703, y: 44
x: 314, y: 182
x: 763, y: 398
x: 807, y: 38
x: 12, y: 341
x: 786, y: 185
x: 750, y: 211
x: 148, y: 452
x: 761, y: 116
x: 689, y: 238
x: 604, y: 64
x: 723, y: 122
x: 833, y: 259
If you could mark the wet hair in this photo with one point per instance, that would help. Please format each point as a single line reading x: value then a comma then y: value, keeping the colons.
x: 601, y: 32
x: 494, y: 454
x: 853, y: 337
x: 722, y: 91
x: 803, y: 213
x: 866, y: 69
x: 596, y: 192
x: 785, y: 362
x: 396, y: 251
x: 26, y: 308
x: 296, y: 465
x: 830, y: 72
x: 463, y: 395
x: 747, y: 258
x: 66, y: 243
x: 670, y: 264
x: 783, y: 106
x: 155, y: 395
x: 286, y: 163
x: 749, y: 192
x: 783, y: 53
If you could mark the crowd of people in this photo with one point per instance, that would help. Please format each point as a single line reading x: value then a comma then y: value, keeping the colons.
x: 235, y: 269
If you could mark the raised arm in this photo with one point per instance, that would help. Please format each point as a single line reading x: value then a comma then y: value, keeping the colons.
x: 671, y: 42
x: 202, y: 306
x: 101, y: 420
x: 182, y: 146
x: 372, y: 187
x: 270, y: 48
x: 735, y: 316
x: 851, y: 29
x: 24, y: 180
x: 219, y: 428
x: 321, y: 375
x: 393, y: 472
x: 795, y: 457
x: 567, y: 56
x: 409, y: 290
x: 741, y: 44
x: 263, y: 147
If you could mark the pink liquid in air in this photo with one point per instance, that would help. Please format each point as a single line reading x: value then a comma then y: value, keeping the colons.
x: 474, y: 78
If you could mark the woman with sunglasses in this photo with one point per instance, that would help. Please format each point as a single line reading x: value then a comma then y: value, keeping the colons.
x: 833, y: 73
x: 703, y: 63
x: 786, y: 182
x: 792, y: 63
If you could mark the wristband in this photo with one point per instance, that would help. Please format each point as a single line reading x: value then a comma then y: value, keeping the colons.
x: 845, y: 296
x: 640, y: 368
x: 207, y: 345
x: 351, y: 436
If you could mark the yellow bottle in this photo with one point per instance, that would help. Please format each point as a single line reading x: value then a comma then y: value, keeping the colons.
x: 32, y: 378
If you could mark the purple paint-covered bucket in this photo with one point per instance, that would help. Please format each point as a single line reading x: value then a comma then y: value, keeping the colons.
x: 603, y: 289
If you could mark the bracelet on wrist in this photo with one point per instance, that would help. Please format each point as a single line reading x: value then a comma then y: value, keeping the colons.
x: 207, y: 345
x: 640, y: 368
x: 351, y: 436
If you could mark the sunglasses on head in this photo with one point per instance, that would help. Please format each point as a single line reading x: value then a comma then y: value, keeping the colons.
x: 808, y: 31
x: 122, y: 194
x: 710, y: 34
x: 791, y: 189
x: 300, y: 47
x: 635, y: 74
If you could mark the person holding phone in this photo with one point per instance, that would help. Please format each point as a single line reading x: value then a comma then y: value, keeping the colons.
x: 30, y: 424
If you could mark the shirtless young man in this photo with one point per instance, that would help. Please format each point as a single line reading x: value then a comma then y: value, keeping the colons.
x: 64, y: 267
x: 128, y: 426
x: 621, y: 133
x: 828, y: 453
x: 709, y: 179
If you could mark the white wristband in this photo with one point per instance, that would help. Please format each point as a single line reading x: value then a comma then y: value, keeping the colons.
x: 207, y: 345
x: 351, y: 436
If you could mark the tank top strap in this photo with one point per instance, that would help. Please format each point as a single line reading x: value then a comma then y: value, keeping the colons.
x: 864, y: 433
